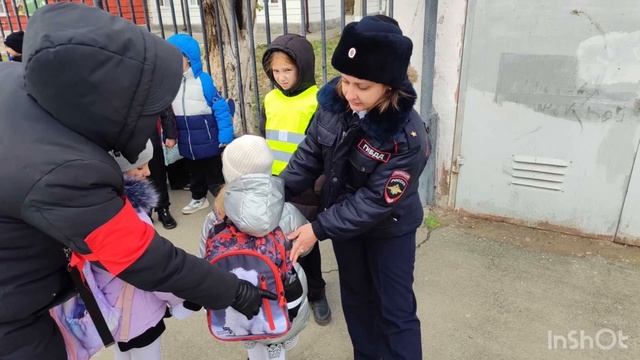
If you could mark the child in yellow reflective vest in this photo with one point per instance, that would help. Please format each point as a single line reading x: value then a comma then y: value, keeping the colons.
x: 288, y: 109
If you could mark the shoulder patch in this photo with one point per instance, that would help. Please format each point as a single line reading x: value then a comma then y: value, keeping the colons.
x: 395, y: 186
x: 371, y: 152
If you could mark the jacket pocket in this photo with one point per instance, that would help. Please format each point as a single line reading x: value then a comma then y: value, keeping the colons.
x: 326, y: 137
x: 359, y: 169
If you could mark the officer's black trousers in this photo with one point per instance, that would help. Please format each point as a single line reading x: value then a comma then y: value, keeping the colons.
x: 376, y: 288
x: 34, y: 338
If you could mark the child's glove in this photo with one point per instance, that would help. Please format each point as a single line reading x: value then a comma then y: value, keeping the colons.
x: 249, y: 298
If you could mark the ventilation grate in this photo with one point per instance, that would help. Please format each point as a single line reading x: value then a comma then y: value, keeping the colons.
x: 538, y: 172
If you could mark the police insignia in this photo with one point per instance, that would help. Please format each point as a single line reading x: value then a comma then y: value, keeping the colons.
x: 395, y: 186
x: 369, y: 151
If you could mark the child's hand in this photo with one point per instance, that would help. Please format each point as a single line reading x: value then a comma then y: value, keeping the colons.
x: 303, y: 240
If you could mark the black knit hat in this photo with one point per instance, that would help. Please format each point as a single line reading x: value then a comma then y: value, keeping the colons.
x: 14, y: 41
x: 374, y: 49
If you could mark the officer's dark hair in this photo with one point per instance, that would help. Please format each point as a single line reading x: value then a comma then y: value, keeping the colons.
x: 391, y: 97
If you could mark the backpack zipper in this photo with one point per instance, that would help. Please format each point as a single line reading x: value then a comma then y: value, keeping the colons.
x: 266, y: 304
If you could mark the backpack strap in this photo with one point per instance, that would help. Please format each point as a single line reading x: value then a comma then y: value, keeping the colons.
x: 90, y: 302
x: 125, y: 302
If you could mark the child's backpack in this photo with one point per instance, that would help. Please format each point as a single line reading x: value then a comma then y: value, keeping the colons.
x: 263, y: 261
x: 87, y: 320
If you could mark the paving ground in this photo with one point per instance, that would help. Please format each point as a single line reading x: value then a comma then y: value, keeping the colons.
x: 485, y: 290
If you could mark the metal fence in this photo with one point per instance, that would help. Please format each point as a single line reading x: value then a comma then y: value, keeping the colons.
x: 168, y: 17
x: 315, y: 19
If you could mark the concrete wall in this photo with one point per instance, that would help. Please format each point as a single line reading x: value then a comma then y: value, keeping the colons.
x: 548, y: 113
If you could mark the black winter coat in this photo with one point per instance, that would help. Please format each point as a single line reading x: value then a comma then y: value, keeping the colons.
x: 76, y: 96
x: 372, y: 166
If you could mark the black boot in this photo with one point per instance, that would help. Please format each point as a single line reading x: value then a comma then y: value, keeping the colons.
x: 166, y: 219
x: 321, y: 310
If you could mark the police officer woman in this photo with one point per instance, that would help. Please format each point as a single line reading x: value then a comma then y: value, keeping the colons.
x: 372, y: 147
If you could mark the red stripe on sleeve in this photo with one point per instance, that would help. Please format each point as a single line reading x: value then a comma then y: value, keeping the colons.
x: 121, y: 241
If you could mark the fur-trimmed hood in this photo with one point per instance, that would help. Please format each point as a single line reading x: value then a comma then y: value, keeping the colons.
x: 379, y: 125
x: 141, y: 193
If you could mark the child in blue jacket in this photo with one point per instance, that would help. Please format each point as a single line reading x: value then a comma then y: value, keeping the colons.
x: 204, y: 124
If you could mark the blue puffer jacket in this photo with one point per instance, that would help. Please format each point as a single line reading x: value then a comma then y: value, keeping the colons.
x: 202, y: 115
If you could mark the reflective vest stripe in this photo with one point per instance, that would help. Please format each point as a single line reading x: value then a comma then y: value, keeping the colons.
x: 285, y: 136
x: 281, y: 156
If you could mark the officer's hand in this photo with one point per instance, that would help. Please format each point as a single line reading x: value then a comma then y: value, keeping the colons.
x: 303, y: 241
x: 249, y: 298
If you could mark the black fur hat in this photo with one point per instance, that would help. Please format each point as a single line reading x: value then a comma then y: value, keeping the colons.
x: 374, y: 49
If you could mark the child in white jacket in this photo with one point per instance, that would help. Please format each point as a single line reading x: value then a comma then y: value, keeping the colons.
x: 253, y: 201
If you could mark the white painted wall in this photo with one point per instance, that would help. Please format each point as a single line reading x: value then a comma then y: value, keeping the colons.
x: 410, y: 17
x: 332, y: 11
x: 165, y: 10
x: 448, y: 61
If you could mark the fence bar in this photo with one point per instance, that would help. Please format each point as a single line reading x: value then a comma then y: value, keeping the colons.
x: 184, y: 23
x: 15, y: 10
x: 239, y: 83
x: 4, y: 2
x: 206, y: 38
x: 173, y: 16
x: 252, y: 46
x: 216, y: 11
x: 26, y: 9
x: 303, y: 18
x: 119, y: 5
x: 390, y: 8
x: 285, y: 27
x: 133, y: 12
x: 160, y: 19
x: 145, y: 8
x: 342, y: 16
x: 323, y: 33
x: 364, y: 8
x: 1, y: 33
x: 187, y: 18
x: 267, y: 25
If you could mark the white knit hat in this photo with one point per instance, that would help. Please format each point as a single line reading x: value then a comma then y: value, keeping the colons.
x: 143, y: 158
x: 248, y: 154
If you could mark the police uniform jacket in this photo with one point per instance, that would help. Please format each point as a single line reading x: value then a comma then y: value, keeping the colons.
x: 372, y: 166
